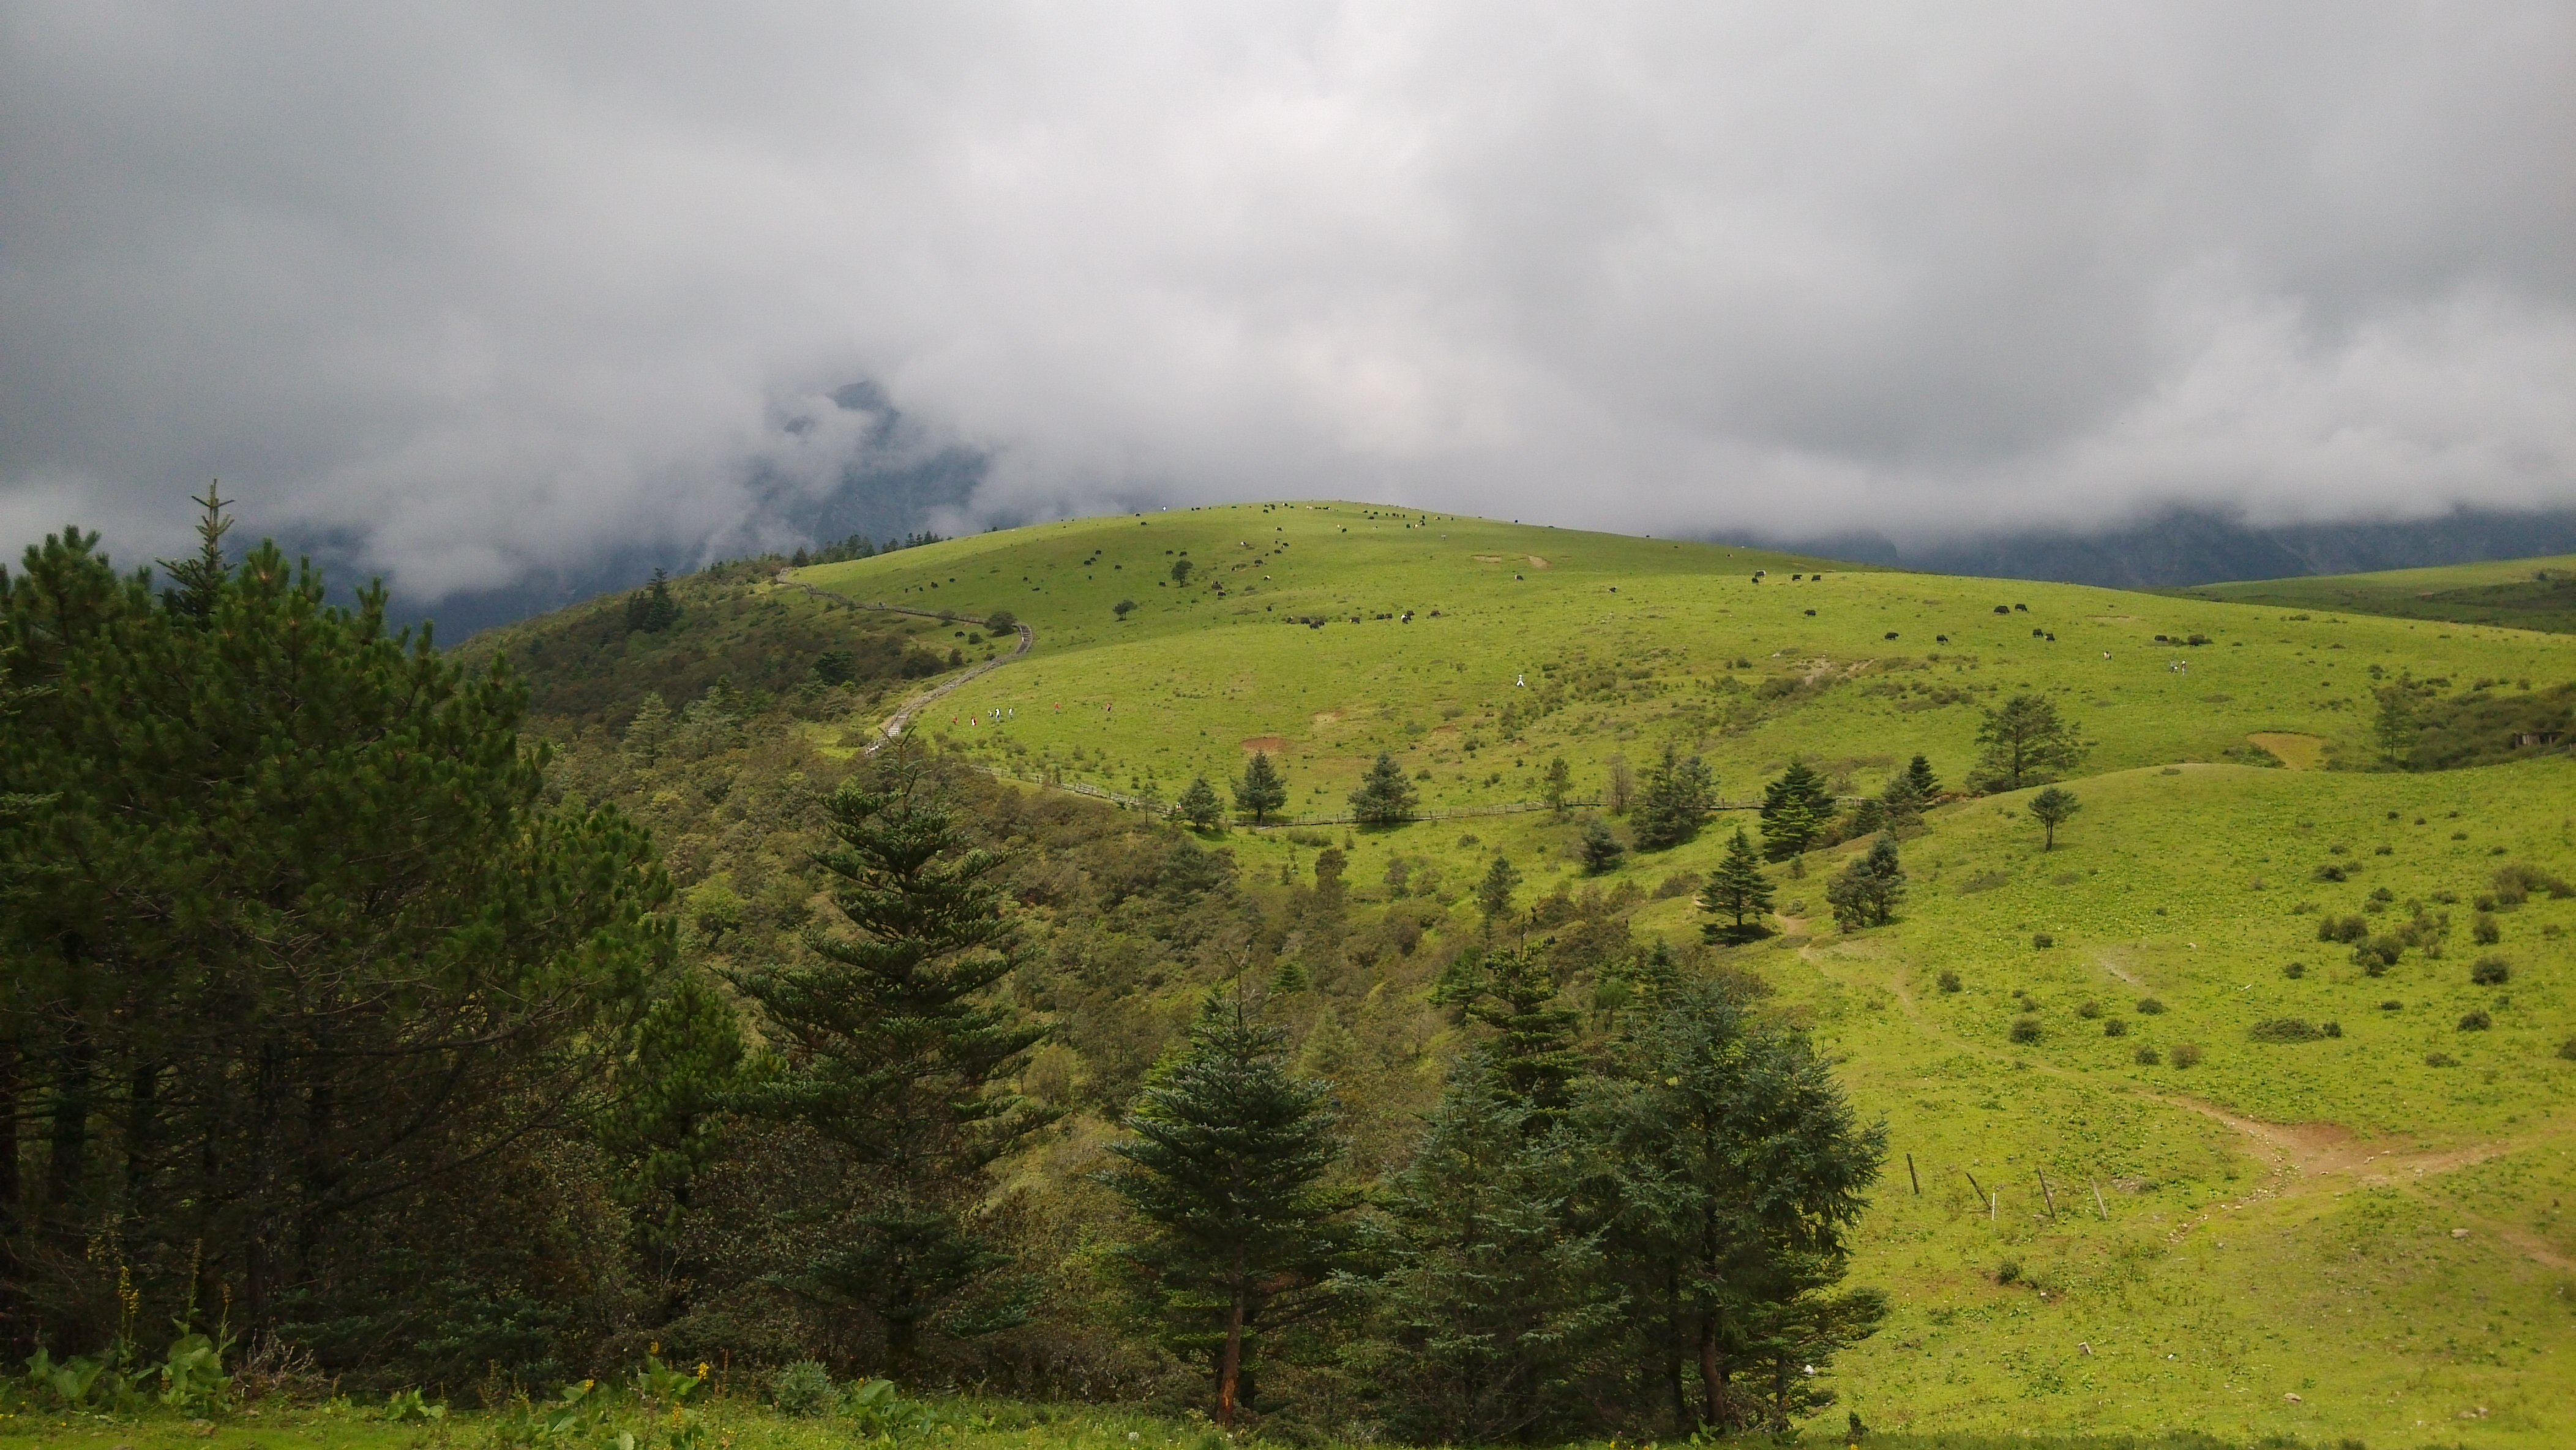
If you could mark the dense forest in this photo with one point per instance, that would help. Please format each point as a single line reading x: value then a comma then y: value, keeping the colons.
x: 474, y: 1021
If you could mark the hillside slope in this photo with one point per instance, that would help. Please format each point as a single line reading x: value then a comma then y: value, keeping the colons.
x: 2358, y: 1234
x: 2521, y: 593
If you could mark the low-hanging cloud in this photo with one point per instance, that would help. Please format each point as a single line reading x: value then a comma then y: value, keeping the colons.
x: 484, y: 289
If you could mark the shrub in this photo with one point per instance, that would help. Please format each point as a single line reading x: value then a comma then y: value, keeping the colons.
x: 2150, y: 1006
x: 2333, y: 871
x: 2008, y: 1272
x: 2567, y: 1049
x: 2342, y: 928
x: 2043, y: 941
x: 2392, y: 1005
x: 2295, y: 970
x: 2491, y: 972
x: 2440, y: 1059
x: 2515, y: 882
x: 2331, y: 1029
x: 2025, y: 1029
x: 2382, y: 894
x: 2378, y: 954
x: 2484, y: 930
x: 2285, y: 1029
x: 2477, y: 1020
x: 1948, y: 981
x: 2116, y: 1027
x: 804, y: 1388
x: 2145, y: 1056
x: 2186, y: 1054
x: 2088, y: 1009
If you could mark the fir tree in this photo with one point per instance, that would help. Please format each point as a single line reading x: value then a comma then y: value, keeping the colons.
x: 1533, y: 1050
x: 1737, y: 890
x: 651, y: 609
x: 1600, y: 847
x: 1493, y: 1301
x: 197, y: 583
x: 1199, y: 805
x: 1901, y: 804
x: 1795, y: 809
x: 1494, y: 893
x: 1224, y: 1165
x: 897, y: 1048
x: 1385, y: 796
x: 1262, y: 789
x: 1927, y: 786
x: 1868, y: 891
x: 2026, y: 743
x: 1676, y: 802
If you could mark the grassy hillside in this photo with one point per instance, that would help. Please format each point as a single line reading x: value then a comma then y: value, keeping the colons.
x: 2535, y: 594
x: 2364, y: 1234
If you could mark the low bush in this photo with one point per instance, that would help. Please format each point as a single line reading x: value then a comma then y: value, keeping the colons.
x: 2286, y: 1029
x: 2440, y: 1059
x: 804, y: 1388
x: 2025, y: 1029
x: 2116, y: 1027
x: 2145, y: 1056
x: 2476, y: 1020
x: 2567, y: 1049
x: 2295, y: 970
x: 2043, y: 941
x: 2378, y: 954
x: 2342, y: 928
x: 2186, y: 1054
x: 2485, y: 930
x: 2150, y: 1006
x: 1948, y: 981
x: 2088, y: 1009
x: 2491, y: 972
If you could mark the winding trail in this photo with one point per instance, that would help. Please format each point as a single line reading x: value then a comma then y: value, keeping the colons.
x: 892, y: 729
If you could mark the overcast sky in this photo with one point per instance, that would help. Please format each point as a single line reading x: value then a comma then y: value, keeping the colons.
x: 481, y: 290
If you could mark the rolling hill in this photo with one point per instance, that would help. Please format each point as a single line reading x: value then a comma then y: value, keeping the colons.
x: 2538, y: 594
x: 2331, y: 1201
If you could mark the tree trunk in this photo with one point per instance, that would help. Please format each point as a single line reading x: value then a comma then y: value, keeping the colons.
x: 1229, y: 1367
x: 1712, y: 1378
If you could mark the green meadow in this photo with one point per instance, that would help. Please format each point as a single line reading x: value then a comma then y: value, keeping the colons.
x: 2523, y: 593
x: 2354, y: 1226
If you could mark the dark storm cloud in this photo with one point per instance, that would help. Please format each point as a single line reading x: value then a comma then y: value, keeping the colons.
x: 488, y: 289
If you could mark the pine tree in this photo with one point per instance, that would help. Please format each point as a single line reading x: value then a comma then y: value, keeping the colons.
x: 1737, y: 889
x: 2026, y: 743
x: 1262, y: 788
x: 1199, y: 805
x: 1676, y: 802
x: 1737, y: 1171
x: 1385, y: 796
x: 1557, y: 785
x: 1494, y: 1299
x: 1533, y: 1051
x: 1901, y: 804
x: 648, y: 733
x: 197, y: 583
x: 651, y: 610
x: 1600, y: 847
x: 897, y: 1048
x: 1927, y: 786
x: 2051, y: 808
x: 1868, y: 891
x: 1795, y: 809
x: 1494, y: 893
x: 1224, y: 1165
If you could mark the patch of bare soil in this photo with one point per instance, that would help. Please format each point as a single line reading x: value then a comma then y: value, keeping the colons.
x: 1264, y: 744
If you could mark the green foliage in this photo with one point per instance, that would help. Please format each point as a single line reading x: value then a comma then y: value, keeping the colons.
x: 1675, y: 804
x: 1223, y: 1171
x: 1198, y: 804
x: 1599, y: 847
x: 1795, y: 808
x: 1261, y: 789
x: 651, y: 609
x: 1737, y: 890
x: 411, y: 1407
x: 1385, y: 796
x: 292, y: 931
x: 2024, y: 742
x: 1494, y: 892
x: 1868, y: 891
x: 2052, y: 808
x: 1919, y: 777
x: 1533, y: 1054
x: 1557, y: 785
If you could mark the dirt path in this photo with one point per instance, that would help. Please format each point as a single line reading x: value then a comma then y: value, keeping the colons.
x: 2307, y: 1157
x: 893, y: 728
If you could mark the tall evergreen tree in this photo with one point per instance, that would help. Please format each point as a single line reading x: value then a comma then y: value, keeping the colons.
x: 1493, y: 1301
x: 1737, y: 889
x: 897, y: 1049
x: 1600, y: 847
x: 651, y: 609
x: 1494, y: 893
x: 1261, y: 789
x: 1737, y: 1170
x: 1927, y: 786
x: 1198, y: 804
x: 196, y: 584
x: 1795, y: 808
x: 1678, y: 795
x: 1901, y: 803
x: 1557, y: 785
x: 1533, y: 1055
x: 1224, y: 1166
x: 2026, y: 743
x: 1385, y: 796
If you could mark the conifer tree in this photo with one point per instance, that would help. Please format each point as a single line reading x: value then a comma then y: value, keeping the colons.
x: 1494, y: 893
x: 1927, y: 786
x: 2051, y: 808
x: 1676, y: 802
x: 651, y: 609
x: 1385, y: 796
x: 1900, y: 804
x: 1261, y: 789
x: 1557, y: 785
x: 1795, y: 809
x: 197, y: 583
x: 1600, y: 846
x: 2026, y: 743
x: 1199, y: 805
x: 1737, y: 889
x: 897, y: 1049
x: 1533, y: 1052
x: 1224, y: 1167
x: 1867, y: 892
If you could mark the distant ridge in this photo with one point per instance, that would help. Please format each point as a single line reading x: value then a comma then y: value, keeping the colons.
x: 2185, y: 547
